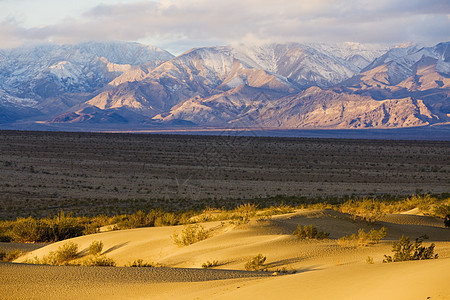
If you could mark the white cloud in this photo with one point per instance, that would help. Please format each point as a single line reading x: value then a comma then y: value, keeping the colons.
x: 184, y: 23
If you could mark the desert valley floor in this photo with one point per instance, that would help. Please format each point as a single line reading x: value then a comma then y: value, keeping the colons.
x: 94, y: 173
x: 91, y: 173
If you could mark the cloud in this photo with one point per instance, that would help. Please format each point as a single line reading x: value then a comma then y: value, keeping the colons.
x: 183, y: 23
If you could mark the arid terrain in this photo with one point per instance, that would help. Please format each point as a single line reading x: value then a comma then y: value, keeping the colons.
x: 324, y: 269
x: 93, y: 173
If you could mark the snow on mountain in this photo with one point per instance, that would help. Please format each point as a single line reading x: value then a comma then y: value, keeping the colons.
x: 221, y: 108
x: 197, y: 73
x: 49, y: 70
x: 125, y: 53
x: 310, y: 64
x: 404, y: 88
x: 347, y: 85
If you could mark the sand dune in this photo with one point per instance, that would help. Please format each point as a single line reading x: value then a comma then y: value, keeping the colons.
x: 325, y: 269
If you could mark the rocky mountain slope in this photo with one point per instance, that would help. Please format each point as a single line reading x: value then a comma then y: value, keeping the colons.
x: 283, y: 86
x: 51, y: 78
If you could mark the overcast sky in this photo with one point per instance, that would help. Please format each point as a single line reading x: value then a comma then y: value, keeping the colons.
x: 178, y: 25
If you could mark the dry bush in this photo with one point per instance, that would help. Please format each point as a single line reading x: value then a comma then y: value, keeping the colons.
x: 363, y: 238
x: 243, y: 213
x: 139, y: 263
x: 63, y: 256
x: 95, y: 248
x: 210, y: 264
x: 370, y: 210
x: 98, y: 261
x: 257, y: 263
x: 404, y: 250
x: 66, y: 253
x: 191, y: 234
x: 310, y: 232
x: 9, y: 256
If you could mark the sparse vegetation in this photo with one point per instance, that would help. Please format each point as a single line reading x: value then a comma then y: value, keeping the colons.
x: 447, y: 220
x: 66, y: 253
x: 191, y: 234
x: 75, y: 171
x: 370, y: 210
x: 404, y: 250
x: 210, y: 264
x: 364, y: 238
x: 310, y: 232
x: 257, y: 263
x: 63, y: 256
x: 64, y: 226
x: 95, y: 248
x: 98, y: 261
x: 139, y: 263
x: 369, y: 260
x: 60, y: 227
x: 9, y: 256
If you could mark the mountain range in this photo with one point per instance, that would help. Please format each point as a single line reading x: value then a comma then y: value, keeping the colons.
x: 277, y: 86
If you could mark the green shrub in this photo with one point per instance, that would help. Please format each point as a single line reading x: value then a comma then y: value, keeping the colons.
x: 98, y: 261
x: 191, y: 234
x: 210, y: 264
x: 310, y: 232
x: 139, y: 263
x: 404, y: 250
x: 257, y: 263
x: 95, y: 248
x: 364, y: 238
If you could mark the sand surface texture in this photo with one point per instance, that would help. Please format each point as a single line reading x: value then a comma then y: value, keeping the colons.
x: 325, y: 269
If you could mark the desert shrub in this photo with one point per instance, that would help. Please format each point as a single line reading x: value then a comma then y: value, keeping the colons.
x: 369, y: 260
x: 66, y: 253
x: 64, y: 226
x: 447, y: 220
x: 98, y: 261
x: 95, y: 248
x: 154, y: 218
x: 243, y: 213
x: 210, y: 264
x: 9, y: 256
x: 138, y: 219
x: 191, y: 234
x: 285, y: 270
x: 310, y: 232
x: 257, y: 263
x: 404, y: 250
x: 264, y: 219
x: 370, y: 210
x: 27, y: 230
x: 60, y: 227
x: 364, y: 238
x: 139, y: 263
x: 63, y: 256
x: 441, y: 210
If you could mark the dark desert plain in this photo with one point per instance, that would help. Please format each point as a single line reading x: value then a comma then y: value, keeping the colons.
x: 90, y: 174
x: 99, y: 173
